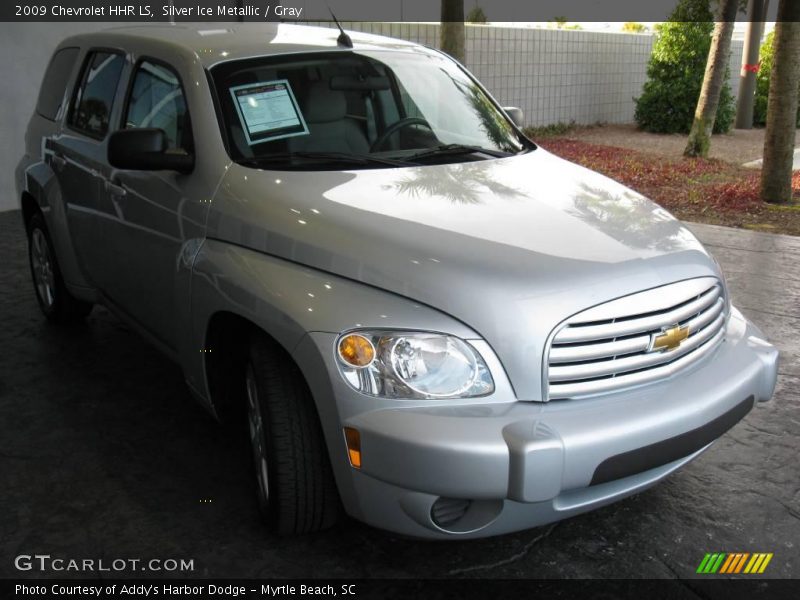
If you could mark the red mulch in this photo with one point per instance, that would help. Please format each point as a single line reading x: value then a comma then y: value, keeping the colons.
x: 705, y: 190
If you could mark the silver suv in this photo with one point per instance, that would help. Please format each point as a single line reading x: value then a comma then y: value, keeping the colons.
x: 426, y: 319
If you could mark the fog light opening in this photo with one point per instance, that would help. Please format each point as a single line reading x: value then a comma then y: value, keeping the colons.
x: 446, y: 512
x: 353, y: 440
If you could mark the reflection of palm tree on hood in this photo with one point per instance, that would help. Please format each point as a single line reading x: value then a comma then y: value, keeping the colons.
x: 629, y: 216
x: 459, y: 184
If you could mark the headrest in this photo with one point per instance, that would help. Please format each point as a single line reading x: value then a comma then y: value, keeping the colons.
x: 350, y: 83
x: 323, y: 105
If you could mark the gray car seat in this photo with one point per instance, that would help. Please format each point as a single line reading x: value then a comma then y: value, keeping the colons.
x: 330, y: 129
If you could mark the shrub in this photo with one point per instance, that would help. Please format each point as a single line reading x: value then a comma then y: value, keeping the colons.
x: 633, y: 27
x: 547, y: 131
x: 476, y: 15
x: 762, y: 82
x: 675, y: 73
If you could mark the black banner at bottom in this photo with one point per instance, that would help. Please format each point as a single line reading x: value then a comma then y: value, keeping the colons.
x: 248, y: 589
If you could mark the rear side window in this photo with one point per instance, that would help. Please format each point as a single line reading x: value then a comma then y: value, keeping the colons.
x: 51, y: 94
x: 156, y: 100
x: 95, y: 96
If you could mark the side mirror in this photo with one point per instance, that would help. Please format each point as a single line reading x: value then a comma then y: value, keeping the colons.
x: 515, y: 114
x: 145, y: 149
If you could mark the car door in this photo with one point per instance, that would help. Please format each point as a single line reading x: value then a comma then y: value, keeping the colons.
x: 153, y: 214
x: 78, y: 155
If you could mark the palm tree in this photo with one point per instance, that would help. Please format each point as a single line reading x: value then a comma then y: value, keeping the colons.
x: 776, y: 174
x: 452, y: 30
x: 715, y: 75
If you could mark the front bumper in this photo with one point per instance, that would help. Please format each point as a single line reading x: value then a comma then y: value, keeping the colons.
x: 524, y: 464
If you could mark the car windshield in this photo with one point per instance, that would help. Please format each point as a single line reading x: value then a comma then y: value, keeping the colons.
x: 358, y: 109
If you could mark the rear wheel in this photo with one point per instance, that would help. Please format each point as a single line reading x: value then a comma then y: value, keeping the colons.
x: 57, y: 304
x: 296, y: 490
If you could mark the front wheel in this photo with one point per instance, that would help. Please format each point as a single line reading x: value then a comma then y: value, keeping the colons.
x: 296, y: 490
x: 57, y: 304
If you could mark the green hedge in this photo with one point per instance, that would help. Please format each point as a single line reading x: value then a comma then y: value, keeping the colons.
x: 675, y: 73
x: 762, y: 82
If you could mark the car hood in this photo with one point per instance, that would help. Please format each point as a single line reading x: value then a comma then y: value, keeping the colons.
x: 510, y: 247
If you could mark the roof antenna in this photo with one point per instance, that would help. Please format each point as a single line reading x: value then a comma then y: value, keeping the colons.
x: 343, y: 39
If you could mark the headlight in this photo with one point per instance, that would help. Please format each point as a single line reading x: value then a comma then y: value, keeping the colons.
x: 393, y: 364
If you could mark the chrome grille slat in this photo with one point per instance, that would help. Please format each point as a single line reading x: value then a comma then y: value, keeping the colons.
x: 649, y: 301
x: 705, y: 318
x: 565, y: 354
x: 573, y: 390
x: 634, y: 362
x: 604, y: 348
x: 578, y: 333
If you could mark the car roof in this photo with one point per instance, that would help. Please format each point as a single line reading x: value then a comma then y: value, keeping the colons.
x: 212, y: 43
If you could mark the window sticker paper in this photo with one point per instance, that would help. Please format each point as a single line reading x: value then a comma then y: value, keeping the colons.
x: 268, y: 111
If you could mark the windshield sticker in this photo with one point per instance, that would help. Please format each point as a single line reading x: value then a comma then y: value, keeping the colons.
x: 268, y: 111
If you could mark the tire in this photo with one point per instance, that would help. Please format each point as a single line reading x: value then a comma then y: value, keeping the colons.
x: 296, y: 489
x: 55, y: 301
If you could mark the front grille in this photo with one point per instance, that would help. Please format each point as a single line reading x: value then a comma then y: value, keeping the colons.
x: 610, y: 347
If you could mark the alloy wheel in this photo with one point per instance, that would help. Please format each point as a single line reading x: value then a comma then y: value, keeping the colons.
x: 42, y: 262
x: 257, y: 434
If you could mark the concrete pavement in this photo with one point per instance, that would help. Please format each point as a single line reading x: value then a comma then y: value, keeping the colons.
x: 756, y: 164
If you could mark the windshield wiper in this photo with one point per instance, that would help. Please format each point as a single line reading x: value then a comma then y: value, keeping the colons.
x: 454, y: 150
x: 362, y: 159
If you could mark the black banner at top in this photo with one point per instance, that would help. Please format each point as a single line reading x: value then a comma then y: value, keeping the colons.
x: 574, y: 11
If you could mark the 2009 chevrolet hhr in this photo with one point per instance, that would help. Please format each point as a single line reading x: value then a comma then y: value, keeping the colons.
x: 425, y: 318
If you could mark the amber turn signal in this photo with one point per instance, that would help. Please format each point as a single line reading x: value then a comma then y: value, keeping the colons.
x: 353, y: 440
x: 356, y: 350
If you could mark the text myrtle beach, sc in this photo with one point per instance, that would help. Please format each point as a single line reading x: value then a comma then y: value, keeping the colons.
x: 166, y: 10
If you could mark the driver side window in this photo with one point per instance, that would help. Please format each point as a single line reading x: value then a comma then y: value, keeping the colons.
x: 156, y: 100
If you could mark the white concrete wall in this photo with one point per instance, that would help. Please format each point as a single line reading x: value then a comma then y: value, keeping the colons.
x: 554, y: 76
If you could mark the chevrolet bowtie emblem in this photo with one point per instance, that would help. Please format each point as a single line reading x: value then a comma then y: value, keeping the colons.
x: 669, y: 339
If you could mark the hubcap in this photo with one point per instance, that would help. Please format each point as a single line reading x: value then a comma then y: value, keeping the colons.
x: 257, y: 437
x: 41, y: 261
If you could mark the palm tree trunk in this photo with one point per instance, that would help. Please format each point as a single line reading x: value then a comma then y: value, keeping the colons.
x: 452, y: 29
x: 756, y: 11
x: 713, y: 80
x: 776, y: 174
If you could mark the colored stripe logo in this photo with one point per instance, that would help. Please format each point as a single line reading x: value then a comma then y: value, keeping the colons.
x: 727, y: 563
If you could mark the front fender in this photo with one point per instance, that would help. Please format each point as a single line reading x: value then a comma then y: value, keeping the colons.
x: 36, y: 178
x: 287, y: 300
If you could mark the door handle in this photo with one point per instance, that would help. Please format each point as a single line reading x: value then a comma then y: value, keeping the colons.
x: 115, y: 189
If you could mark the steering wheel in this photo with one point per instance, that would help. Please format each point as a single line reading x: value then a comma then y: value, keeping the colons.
x: 395, y: 127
